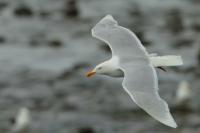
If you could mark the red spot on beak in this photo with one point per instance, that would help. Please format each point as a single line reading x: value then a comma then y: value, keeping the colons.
x: 90, y: 73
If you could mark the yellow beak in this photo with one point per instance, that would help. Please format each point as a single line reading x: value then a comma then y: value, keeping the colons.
x: 90, y: 73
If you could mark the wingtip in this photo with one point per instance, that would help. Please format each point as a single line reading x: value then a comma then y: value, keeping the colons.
x: 109, y: 16
x: 170, y: 122
x: 108, y: 20
x: 172, y: 125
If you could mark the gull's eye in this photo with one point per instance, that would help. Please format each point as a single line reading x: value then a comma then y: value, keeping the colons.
x: 99, y: 68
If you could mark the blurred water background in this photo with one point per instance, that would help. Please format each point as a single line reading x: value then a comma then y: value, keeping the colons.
x: 46, y: 47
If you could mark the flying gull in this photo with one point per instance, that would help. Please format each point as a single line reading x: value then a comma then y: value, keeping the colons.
x: 131, y: 61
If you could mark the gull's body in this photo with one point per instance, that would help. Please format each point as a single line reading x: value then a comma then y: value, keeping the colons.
x: 111, y: 68
x: 183, y: 94
x: 131, y: 61
x: 22, y: 121
x: 157, y: 61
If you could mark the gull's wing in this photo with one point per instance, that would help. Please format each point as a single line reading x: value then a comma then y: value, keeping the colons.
x: 140, y: 79
x: 121, y: 40
x: 141, y: 83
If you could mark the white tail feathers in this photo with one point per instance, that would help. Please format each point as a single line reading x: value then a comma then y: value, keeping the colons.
x: 169, y: 60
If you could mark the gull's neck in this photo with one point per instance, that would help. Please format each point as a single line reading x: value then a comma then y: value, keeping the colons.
x: 115, y: 70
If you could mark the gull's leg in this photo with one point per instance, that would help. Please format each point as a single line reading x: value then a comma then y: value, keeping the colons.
x: 162, y: 68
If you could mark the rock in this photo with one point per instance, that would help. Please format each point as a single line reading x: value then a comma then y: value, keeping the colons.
x: 65, y: 106
x: 55, y: 43
x: 174, y: 21
x: 38, y: 39
x: 86, y: 130
x: 71, y: 9
x: 80, y: 65
x: 70, y: 73
x: 183, y: 42
x: 135, y: 10
x: 65, y: 75
x: 3, y: 5
x: 141, y: 35
x: 44, y: 14
x: 194, y: 1
x: 12, y: 120
x: 196, y: 27
x: 34, y: 42
x: 198, y: 58
x: 2, y: 39
x: 23, y: 11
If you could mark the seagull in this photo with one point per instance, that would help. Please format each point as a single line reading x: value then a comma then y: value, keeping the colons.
x: 183, y: 93
x: 131, y: 61
x: 22, y: 121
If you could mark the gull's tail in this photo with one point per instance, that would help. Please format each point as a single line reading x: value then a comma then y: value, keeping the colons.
x: 169, y: 60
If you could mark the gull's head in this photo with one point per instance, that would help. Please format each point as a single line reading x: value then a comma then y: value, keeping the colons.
x: 102, y: 68
x: 109, y: 67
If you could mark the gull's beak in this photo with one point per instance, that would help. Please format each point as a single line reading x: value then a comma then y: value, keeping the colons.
x: 90, y: 73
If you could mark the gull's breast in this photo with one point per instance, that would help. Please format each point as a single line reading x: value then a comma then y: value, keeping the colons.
x: 116, y: 73
x: 114, y: 69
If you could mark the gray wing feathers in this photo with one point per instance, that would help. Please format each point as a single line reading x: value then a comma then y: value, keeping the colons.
x: 118, y: 38
x: 141, y: 84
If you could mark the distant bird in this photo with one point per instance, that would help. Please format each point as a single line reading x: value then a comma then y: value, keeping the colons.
x: 183, y: 93
x: 22, y: 121
x: 131, y: 61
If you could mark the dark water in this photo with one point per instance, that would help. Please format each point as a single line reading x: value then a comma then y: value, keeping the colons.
x: 46, y: 48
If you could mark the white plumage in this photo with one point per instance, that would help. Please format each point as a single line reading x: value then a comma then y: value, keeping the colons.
x: 22, y: 121
x: 131, y: 61
x: 168, y: 60
x: 183, y: 94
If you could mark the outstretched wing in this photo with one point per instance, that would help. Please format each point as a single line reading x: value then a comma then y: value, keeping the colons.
x: 140, y: 79
x: 141, y: 83
x: 123, y: 39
